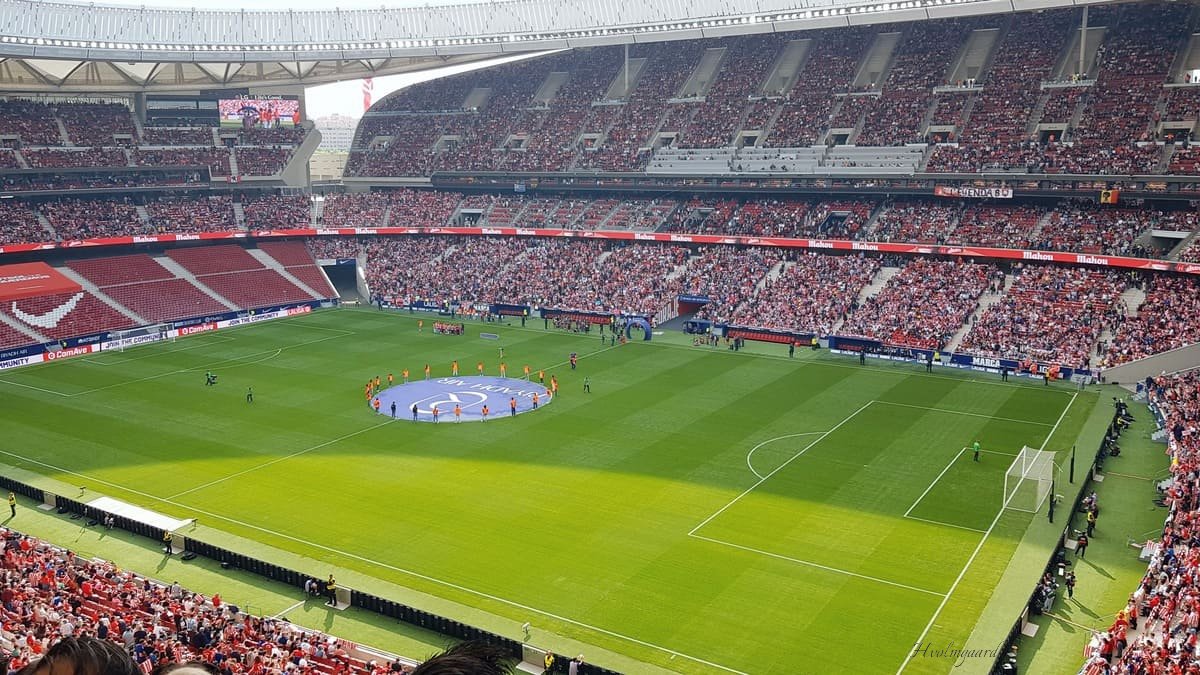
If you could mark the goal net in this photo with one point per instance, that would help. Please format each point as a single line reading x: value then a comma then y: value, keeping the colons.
x: 1029, y: 480
x: 121, y: 339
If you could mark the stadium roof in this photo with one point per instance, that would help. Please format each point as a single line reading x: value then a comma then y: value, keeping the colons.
x: 78, y: 47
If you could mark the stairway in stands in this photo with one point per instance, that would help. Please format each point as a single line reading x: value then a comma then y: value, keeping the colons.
x: 986, y: 300
x: 183, y: 273
x: 237, y: 276
x: 293, y: 262
x: 880, y: 280
x: 146, y: 287
x: 13, y: 333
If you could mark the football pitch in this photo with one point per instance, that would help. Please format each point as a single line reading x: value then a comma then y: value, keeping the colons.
x: 699, y: 510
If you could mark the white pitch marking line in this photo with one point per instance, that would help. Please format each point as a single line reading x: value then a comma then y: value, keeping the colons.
x: 938, y: 522
x: 563, y: 363
x: 30, y: 386
x: 827, y: 568
x: 935, y: 480
x: 394, y: 568
x: 280, y: 459
x: 772, y: 440
x: 968, y: 414
x: 239, y: 361
x: 978, y: 547
x: 213, y: 341
x: 298, y: 604
x: 779, y: 468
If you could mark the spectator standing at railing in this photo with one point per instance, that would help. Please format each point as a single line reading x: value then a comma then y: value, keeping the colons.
x: 331, y: 583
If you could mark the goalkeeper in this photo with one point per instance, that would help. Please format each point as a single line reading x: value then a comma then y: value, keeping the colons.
x: 975, y: 449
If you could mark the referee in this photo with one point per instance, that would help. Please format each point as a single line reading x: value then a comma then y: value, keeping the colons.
x: 12, y: 504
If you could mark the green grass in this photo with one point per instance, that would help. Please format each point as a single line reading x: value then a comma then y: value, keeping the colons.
x: 634, y: 521
x: 1111, y: 569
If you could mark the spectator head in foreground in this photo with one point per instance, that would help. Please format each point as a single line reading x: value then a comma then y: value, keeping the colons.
x: 468, y: 658
x: 83, y: 656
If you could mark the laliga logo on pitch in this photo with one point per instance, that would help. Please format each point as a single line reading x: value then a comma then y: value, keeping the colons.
x: 446, y: 401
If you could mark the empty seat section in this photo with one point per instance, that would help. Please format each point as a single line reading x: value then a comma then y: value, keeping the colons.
x: 166, y: 300
x: 123, y: 269
x: 214, y: 259
x: 256, y: 288
x: 66, y: 314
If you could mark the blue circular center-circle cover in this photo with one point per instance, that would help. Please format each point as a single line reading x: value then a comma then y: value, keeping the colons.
x: 471, y: 394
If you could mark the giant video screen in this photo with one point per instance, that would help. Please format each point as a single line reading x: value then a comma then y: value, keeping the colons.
x: 266, y: 113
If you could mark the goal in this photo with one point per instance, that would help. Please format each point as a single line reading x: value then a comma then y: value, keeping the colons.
x: 1029, y: 480
x: 120, y: 339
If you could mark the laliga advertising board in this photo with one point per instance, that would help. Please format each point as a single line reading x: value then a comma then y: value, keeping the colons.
x: 469, y: 394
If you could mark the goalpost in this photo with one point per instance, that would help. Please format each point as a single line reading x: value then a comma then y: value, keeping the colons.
x: 137, y: 336
x: 1029, y: 480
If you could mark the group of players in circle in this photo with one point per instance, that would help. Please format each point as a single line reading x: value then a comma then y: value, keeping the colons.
x: 375, y: 385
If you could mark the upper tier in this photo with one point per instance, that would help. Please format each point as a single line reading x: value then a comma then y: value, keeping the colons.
x: 994, y: 93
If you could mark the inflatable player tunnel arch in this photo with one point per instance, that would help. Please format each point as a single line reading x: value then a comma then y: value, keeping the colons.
x: 639, y: 322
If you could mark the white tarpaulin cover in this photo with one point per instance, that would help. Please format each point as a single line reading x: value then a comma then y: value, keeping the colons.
x: 151, y: 518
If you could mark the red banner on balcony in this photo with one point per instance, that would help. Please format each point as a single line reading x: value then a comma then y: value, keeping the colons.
x: 29, y: 280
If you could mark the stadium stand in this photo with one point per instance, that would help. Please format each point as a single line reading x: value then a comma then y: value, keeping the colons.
x: 103, y: 135
x: 214, y: 259
x: 996, y: 225
x: 240, y: 278
x: 1164, y: 321
x: 201, y: 136
x: 264, y: 212
x: 728, y: 277
x: 362, y: 209
x: 810, y: 294
x: 1110, y: 119
x: 803, y: 116
x: 83, y: 218
x: 97, y: 124
x: 51, y: 593
x: 63, y: 158
x: 1050, y: 314
x: 916, y: 221
x: 332, y: 248
x: 21, y: 224
x: 192, y: 214
x: 298, y: 262
x: 1152, y: 633
x: 216, y: 159
x: 141, y: 284
x: 920, y: 64
x: 925, y: 304
x: 31, y: 122
x: 65, y: 315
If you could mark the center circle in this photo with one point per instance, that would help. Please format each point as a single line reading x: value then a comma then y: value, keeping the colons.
x: 470, y: 394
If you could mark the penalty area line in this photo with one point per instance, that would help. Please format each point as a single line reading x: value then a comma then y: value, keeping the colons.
x: 777, y: 469
x: 934, y: 482
x: 236, y: 362
x: 387, y: 566
x: 974, y: 554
